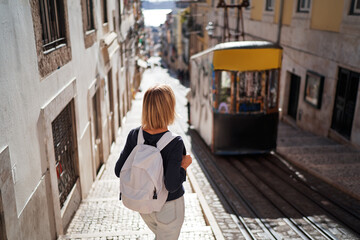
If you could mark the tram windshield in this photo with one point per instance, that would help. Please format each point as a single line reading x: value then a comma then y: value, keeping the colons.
x: 246, y: 92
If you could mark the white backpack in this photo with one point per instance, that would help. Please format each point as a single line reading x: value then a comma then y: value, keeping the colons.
x: 142, y: 186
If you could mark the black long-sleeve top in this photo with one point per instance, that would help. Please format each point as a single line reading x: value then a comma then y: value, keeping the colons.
x: 174, y: 174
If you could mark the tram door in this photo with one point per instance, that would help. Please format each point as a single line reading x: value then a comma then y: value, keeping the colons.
x: 345, y: 101
x: 294, y: 95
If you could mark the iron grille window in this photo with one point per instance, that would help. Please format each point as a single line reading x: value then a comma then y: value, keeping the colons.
x: 105, y: 16
x: 355, y: 7
x: 89, y: 15
x: 64, y: 147
x: 304, y: 5
x: 269, y: 5
x: 53, y: 23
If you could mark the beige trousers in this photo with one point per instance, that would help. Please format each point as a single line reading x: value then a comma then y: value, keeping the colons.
x: 167, y: 223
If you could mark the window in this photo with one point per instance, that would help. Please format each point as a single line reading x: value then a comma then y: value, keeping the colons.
x: 269, y: 5
x: 251, y: 92
x: 87, y: 11
x: 51, y: 30
x: 52, y: 23
x: 224, y: 96
x: 246, y: 92
x: 105, y: 16
x: 89, y: 15
x: 304, y: 5
x: 355, y: 7
x: 272, y: 98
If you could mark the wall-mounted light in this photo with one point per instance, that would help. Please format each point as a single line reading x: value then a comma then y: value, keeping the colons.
x: 210, y: 30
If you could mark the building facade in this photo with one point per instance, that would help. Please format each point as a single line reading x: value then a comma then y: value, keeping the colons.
x: 319, y: 84
x: 68, y: 72
x: 175, y: 39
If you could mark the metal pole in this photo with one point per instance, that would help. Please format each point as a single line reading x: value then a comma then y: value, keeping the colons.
x: 280, y: 22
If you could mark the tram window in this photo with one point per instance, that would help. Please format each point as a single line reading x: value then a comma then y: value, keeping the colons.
x: 246, y: 92
x: 250, y: 92
x: 273, y: 86
x: 224, y: 93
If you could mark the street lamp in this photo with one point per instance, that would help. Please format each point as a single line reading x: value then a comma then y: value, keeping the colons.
x: 210, y: 28
x: 210, y: 31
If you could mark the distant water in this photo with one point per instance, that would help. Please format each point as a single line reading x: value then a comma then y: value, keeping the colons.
x: 155, y: 17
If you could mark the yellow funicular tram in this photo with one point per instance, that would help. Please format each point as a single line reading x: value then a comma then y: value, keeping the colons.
x: 234, y: 96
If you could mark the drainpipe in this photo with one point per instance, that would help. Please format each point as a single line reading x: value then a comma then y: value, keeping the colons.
x: 280, y: 22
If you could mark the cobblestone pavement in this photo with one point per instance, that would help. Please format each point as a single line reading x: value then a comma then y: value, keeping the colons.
x: 102, y: 216
x: 334, y: 163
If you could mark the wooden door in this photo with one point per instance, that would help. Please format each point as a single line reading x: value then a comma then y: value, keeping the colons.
x: 2, y: 221
x: 345, y: 102
x: 112, y: 108
x: 294, y: 95
x: 96, y: 129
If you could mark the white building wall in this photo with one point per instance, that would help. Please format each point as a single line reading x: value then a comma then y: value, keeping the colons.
x: 21, y: 98
x: 23, y: 93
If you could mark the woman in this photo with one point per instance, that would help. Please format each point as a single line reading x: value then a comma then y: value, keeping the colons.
x: 157, y: 114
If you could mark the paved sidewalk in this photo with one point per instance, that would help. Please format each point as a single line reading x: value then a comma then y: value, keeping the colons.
x: 102, y: 216
x: 334, y: 163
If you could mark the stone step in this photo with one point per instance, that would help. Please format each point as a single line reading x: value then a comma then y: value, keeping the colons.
x: 186, y: 233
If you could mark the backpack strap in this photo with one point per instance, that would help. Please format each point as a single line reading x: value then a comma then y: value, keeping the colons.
x: 165, y: 140
x: 140, y: 139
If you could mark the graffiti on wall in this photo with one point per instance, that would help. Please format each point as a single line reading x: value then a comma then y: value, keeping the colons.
x: 202, y: 76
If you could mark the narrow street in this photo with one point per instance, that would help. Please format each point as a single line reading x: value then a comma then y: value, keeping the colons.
x: 267, y: 102
x: 102, y: 216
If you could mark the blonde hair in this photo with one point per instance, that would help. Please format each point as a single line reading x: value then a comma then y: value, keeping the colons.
x: 158, y: 107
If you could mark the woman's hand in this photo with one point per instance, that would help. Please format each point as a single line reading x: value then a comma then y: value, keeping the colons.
x: 186, y: 161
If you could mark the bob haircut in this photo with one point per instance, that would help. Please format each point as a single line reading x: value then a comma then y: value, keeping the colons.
x: 158, y: 107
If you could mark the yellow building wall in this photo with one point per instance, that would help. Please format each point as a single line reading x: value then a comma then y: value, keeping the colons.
x: 257, y: 9
x: 287, y: 12
x: 327, y: 15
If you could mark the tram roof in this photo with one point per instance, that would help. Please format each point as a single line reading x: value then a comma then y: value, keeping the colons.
x: 239, y: 45
x: 249, y: 55
x: 245, y: 45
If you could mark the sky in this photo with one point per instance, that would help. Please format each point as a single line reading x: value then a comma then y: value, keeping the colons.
x: 155, y: 17
x: 160, y: 0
